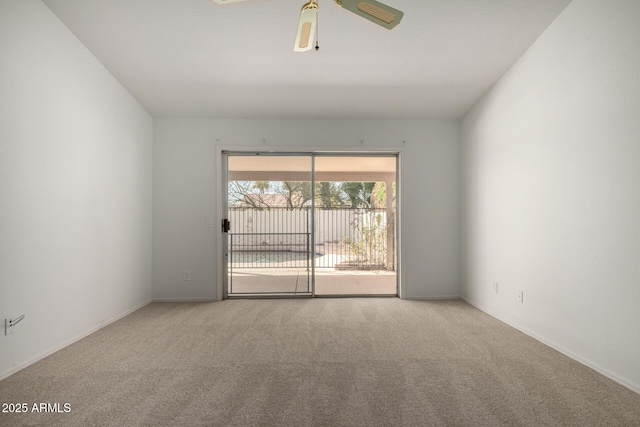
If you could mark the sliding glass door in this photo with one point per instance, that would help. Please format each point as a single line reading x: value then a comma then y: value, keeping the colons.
x: 310, y: 224
x: 354, y: 226
x: 269, y: 237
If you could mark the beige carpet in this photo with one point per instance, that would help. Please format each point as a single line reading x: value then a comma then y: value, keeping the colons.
x: 326, y: 362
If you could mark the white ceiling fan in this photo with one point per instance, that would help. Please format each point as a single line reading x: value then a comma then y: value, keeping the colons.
x: 373, y: 10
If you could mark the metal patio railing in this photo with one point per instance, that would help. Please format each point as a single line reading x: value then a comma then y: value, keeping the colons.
x: 345, y: 238
x: 270, y: 250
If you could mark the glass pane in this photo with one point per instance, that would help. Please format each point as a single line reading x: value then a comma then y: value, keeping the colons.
x: 355, y: 225
x: 269, y: 207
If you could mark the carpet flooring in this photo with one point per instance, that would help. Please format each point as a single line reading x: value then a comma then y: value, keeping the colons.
x: 324, y: 362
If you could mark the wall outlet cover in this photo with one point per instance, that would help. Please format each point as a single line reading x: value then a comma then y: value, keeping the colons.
x: 8, y: 330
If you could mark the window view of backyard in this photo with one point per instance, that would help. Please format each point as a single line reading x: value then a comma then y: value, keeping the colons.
x: 272, y: 249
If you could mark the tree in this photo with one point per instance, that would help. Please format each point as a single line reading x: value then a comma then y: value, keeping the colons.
x: 295, y: 193
x: 246, y: 193
x: 328, y: 195
x: 380, y: 195
x: 262, y: 186
x: 358, y: 193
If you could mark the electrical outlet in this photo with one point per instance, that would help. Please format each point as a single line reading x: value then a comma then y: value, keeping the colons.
x: 210, y: 222
x: 8, y: 330
x: 495, y: 287
x: 187, y: 275
x: 11, y: 323
x: 521, y: 297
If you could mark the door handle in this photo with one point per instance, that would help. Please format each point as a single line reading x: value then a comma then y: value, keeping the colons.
x: 226, y: 225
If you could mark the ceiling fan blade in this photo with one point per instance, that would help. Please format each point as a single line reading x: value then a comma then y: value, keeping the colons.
x: 374, y: 11
x: 227, y: 1
x: 306, y: 27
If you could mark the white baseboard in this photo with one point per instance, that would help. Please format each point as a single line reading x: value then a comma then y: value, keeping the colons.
x: 184, y: 300
x: 578, y: 358
x: 427, y: 298
x: 58, y: 347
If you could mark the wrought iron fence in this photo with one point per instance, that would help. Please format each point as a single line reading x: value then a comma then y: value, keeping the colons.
x: 345, y: 238
x: 270, y: 250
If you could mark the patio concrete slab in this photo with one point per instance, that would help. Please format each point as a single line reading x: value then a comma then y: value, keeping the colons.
x: 298, y: 281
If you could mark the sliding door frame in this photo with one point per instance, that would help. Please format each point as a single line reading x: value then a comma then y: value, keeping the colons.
x: 225, y: 211
x: 225, y: 154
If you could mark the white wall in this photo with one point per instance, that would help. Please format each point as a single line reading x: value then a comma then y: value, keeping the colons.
x: 75, y: 188
x: 551, y: 161
x: 187, y: 187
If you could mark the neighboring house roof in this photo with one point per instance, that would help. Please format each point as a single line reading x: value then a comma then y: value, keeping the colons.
x: 265, y: 200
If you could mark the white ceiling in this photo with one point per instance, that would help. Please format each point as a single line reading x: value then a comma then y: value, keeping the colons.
x: 195, y: 58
